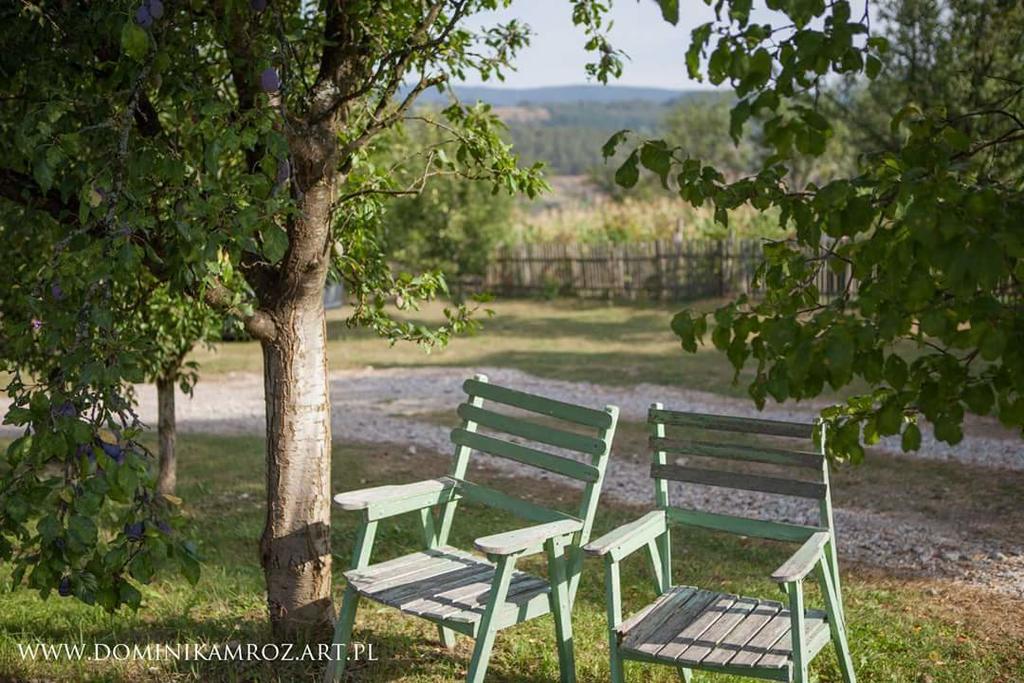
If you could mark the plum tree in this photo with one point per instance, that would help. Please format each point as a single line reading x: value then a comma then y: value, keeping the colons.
x: 174, y: 325
x: 150, y: 146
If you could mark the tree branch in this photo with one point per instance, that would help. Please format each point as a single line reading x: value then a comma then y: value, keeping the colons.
x: 259, y: 324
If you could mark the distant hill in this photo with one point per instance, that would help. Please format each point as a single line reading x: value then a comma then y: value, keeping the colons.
x: 565, y: 126
x: 556, y: 94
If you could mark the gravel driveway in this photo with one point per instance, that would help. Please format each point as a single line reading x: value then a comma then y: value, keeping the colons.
x: 374, y: 405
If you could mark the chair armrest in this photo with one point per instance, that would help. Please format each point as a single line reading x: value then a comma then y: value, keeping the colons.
x: 622, y: 541
x: 803, y: 560
x: 529, y: 539
x: 386, y: 501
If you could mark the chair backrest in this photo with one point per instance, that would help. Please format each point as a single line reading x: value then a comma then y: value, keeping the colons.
x: 583, y: 433
x: 727, y: 449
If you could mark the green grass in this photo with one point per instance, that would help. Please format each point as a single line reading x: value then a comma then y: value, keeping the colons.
x: 901, y: 630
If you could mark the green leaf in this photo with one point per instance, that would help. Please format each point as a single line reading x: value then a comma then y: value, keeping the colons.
x: 609, y: 147
x: 134, y: 41
x: 839, y: 353
x: 670, y: 11
x: 896, y: 371
x: 872, y: 66
x: 129, y: 595
x: 979, y: 398
x: 43, y: 173
x: 889, y: 418
x: 948, y: 430
x: 656, y: 158
x: 82, y: 529
x: 189, y: 568
x: 911, y: 440
x: 628, y: 173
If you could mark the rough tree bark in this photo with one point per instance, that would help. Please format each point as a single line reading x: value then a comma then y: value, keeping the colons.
x: 167, y: 474
x: 295, y: 547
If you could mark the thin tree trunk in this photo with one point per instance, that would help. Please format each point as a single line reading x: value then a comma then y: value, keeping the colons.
x: 167, y: 476
x: 295, y: 547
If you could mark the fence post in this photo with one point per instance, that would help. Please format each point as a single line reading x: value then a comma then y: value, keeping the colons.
x: 721, y: 266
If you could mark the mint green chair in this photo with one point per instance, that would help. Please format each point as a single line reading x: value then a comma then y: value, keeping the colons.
x: 693, y: 628
x: 463, y: 592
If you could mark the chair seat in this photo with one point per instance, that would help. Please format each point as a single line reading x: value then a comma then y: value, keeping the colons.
x: 702, y: 629
x: 446, y: 584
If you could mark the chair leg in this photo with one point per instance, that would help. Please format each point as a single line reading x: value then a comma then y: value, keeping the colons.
x: 447, y: 637
x: 685, y: 674
x: 618, y: 675
x: 795, y: 590
x: 836, y: 625
x: 342, y: 636
x: 614, y: 605
x: 488, y: 629
x: 562, y: 611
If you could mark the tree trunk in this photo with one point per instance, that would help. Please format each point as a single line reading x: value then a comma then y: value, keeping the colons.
x: 167, y: 476
x: 295, y: 547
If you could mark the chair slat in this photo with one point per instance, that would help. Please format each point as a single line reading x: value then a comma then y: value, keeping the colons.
x: 708, y: 449
x: 736, y: 640
x: 485, y: 495
x: 526, y: 455
x: 729, y: 423
x: 530, y: 430
x: 739, y: 480
x: 744, y: 526
x: 538, y: 404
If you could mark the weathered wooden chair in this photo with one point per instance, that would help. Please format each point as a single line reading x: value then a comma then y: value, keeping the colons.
x: 696, y: 629
x: 465, y: 593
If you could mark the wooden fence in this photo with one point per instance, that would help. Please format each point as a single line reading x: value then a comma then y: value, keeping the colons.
x: 659, y: 271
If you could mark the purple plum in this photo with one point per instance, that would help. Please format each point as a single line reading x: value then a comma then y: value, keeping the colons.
x: 258, y: 5
x: 134, y: 531
x: 163, y: 526
x: 115, y: 452
x: 56, y: 292
x: 86, y: 450
x: 142, y: 17
x: 65, y: 587
x: 66, y: 409
x: 269, y: 80
x: 156, y: 9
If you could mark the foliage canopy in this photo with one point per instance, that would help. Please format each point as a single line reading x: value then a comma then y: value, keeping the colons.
x: 928, y: 225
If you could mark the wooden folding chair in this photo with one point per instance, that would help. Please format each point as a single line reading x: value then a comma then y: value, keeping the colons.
x: 462, y: 592
x: 693, y: 628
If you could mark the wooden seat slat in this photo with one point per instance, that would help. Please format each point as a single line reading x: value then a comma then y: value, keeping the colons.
x: 698, y: 627
x: 737, y: 638
x: 712, y: 638
x: 445, y: 583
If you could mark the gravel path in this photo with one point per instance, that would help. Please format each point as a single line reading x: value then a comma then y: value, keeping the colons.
x: 374, y: 405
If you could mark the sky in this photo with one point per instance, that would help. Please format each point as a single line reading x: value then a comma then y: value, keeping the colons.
x: 556, y: 56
